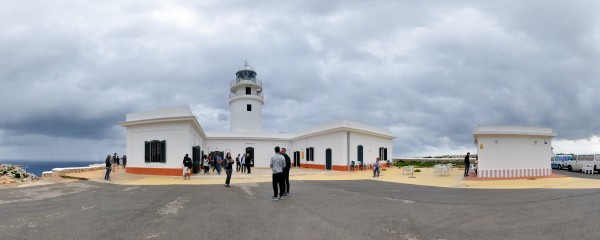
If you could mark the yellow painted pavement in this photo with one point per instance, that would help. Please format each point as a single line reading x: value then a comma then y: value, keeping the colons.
x: 426, y: 178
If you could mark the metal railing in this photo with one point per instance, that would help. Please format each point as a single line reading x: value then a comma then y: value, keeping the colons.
x: 236, y: 81
x: 260, y: 94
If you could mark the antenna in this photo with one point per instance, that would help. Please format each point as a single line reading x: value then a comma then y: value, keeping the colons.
x: 246, y: 62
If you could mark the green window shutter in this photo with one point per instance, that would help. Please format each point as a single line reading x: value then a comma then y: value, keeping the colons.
x: 147, y: 151
x: 163, y: 151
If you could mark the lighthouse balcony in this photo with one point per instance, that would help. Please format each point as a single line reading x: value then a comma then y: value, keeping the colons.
x: 246, y: 81
x: 258, y: 94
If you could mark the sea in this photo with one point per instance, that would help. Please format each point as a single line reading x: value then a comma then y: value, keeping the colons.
x: 38, y: 166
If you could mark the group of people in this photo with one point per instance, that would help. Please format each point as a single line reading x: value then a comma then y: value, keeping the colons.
x: 280, y: 165
x: 112, y: 164
x: 243, y: 163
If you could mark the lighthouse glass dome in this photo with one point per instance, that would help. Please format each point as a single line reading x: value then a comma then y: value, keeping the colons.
x: 246, y: 74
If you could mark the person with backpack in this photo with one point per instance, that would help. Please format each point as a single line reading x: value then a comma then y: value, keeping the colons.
x: 187, y: 165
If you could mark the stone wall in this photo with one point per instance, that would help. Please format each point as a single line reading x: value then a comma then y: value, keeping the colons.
x: 57, y: 172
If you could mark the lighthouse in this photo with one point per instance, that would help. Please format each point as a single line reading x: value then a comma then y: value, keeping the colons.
x: 246, y: 101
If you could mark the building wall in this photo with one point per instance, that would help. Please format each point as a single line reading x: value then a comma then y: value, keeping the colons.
x: 513, y: 156
x: 371, y: 145
x: 242, y: 120
x: 334, y: 140
x: 180, y: 137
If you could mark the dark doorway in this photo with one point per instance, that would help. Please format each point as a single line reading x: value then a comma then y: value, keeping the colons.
x: 250, y: 159
x: 328, y: 165
x: 196, y: 157
x: 359, y: 153
x: 297, y: 159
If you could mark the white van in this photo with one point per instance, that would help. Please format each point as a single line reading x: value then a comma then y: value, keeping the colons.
x: 576, y: 164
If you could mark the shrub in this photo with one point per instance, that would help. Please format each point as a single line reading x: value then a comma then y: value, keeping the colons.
x: 417, y: 170
x: 17, y: 175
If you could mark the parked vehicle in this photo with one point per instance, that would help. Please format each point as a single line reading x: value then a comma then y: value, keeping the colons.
x: 560, y: 161
x: 577, y: 162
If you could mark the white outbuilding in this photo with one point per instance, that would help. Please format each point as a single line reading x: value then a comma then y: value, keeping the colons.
x: 513, y: 151
x: 157, y: 140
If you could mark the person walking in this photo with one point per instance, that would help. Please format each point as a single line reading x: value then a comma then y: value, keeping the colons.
x: 124, y: 159
x: 237, y: 163
x: 212, y: 161
x: 108, y: 163
x: 376, y: 168
x: 243, y: 162
x: 218, y: 163
x: 187, y: 165
x: 228, y: 168
x: 206, y: 164
x: 286, y: 172
x: 114, y: 160
x: 467, y: 164
x: 277, y: 165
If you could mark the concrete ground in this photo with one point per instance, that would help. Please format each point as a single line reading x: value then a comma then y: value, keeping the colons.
x: 323, y: 205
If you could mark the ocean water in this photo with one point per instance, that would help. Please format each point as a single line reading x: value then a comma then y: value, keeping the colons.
x: 37, y: 166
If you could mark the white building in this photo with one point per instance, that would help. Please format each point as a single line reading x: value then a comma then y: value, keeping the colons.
x: 512, y: 151
x: 158, y: 140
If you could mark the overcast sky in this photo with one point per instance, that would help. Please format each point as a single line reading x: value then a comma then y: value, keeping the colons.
x: 429, y: 71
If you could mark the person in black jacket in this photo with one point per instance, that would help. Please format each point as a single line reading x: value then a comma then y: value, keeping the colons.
x: 228, y: 168
x: 467, y: 164
x: 108, y: 163
x: 187, y: 165
x: 286, y: 172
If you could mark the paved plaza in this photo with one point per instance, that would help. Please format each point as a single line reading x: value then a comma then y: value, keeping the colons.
x: 317, y: 209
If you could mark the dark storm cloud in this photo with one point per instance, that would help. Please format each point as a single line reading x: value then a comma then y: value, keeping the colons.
x: 429, y: 72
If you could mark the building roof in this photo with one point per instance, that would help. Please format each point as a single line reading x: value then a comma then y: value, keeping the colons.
x: 185, y: 114
x: 483, y: 130
x: 160, y: 113
x: 344, y: 125
x: 163, y: 115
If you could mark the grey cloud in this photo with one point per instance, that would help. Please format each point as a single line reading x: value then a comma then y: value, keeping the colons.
x: 430, y: 72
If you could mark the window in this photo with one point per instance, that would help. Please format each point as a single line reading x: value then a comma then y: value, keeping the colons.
x: 155, y: 151
x: 249, y: 107
x: 310, y: 154
x: 248, y: 91
x: 383, y: 153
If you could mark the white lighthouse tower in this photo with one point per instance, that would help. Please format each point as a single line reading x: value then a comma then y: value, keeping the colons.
x: 246, y: 101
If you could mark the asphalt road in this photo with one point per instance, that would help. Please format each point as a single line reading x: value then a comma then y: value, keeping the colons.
x: 316, y: 210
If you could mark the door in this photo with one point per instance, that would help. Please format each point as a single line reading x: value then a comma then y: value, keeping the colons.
x: 328, y: 164
x: 295, y: 160
x: 359, y: 154
x: 196, y: 158
x: 250, y: 152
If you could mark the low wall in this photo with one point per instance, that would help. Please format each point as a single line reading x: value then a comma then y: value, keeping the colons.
x: 57, y: 172
x: 440, y: 160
